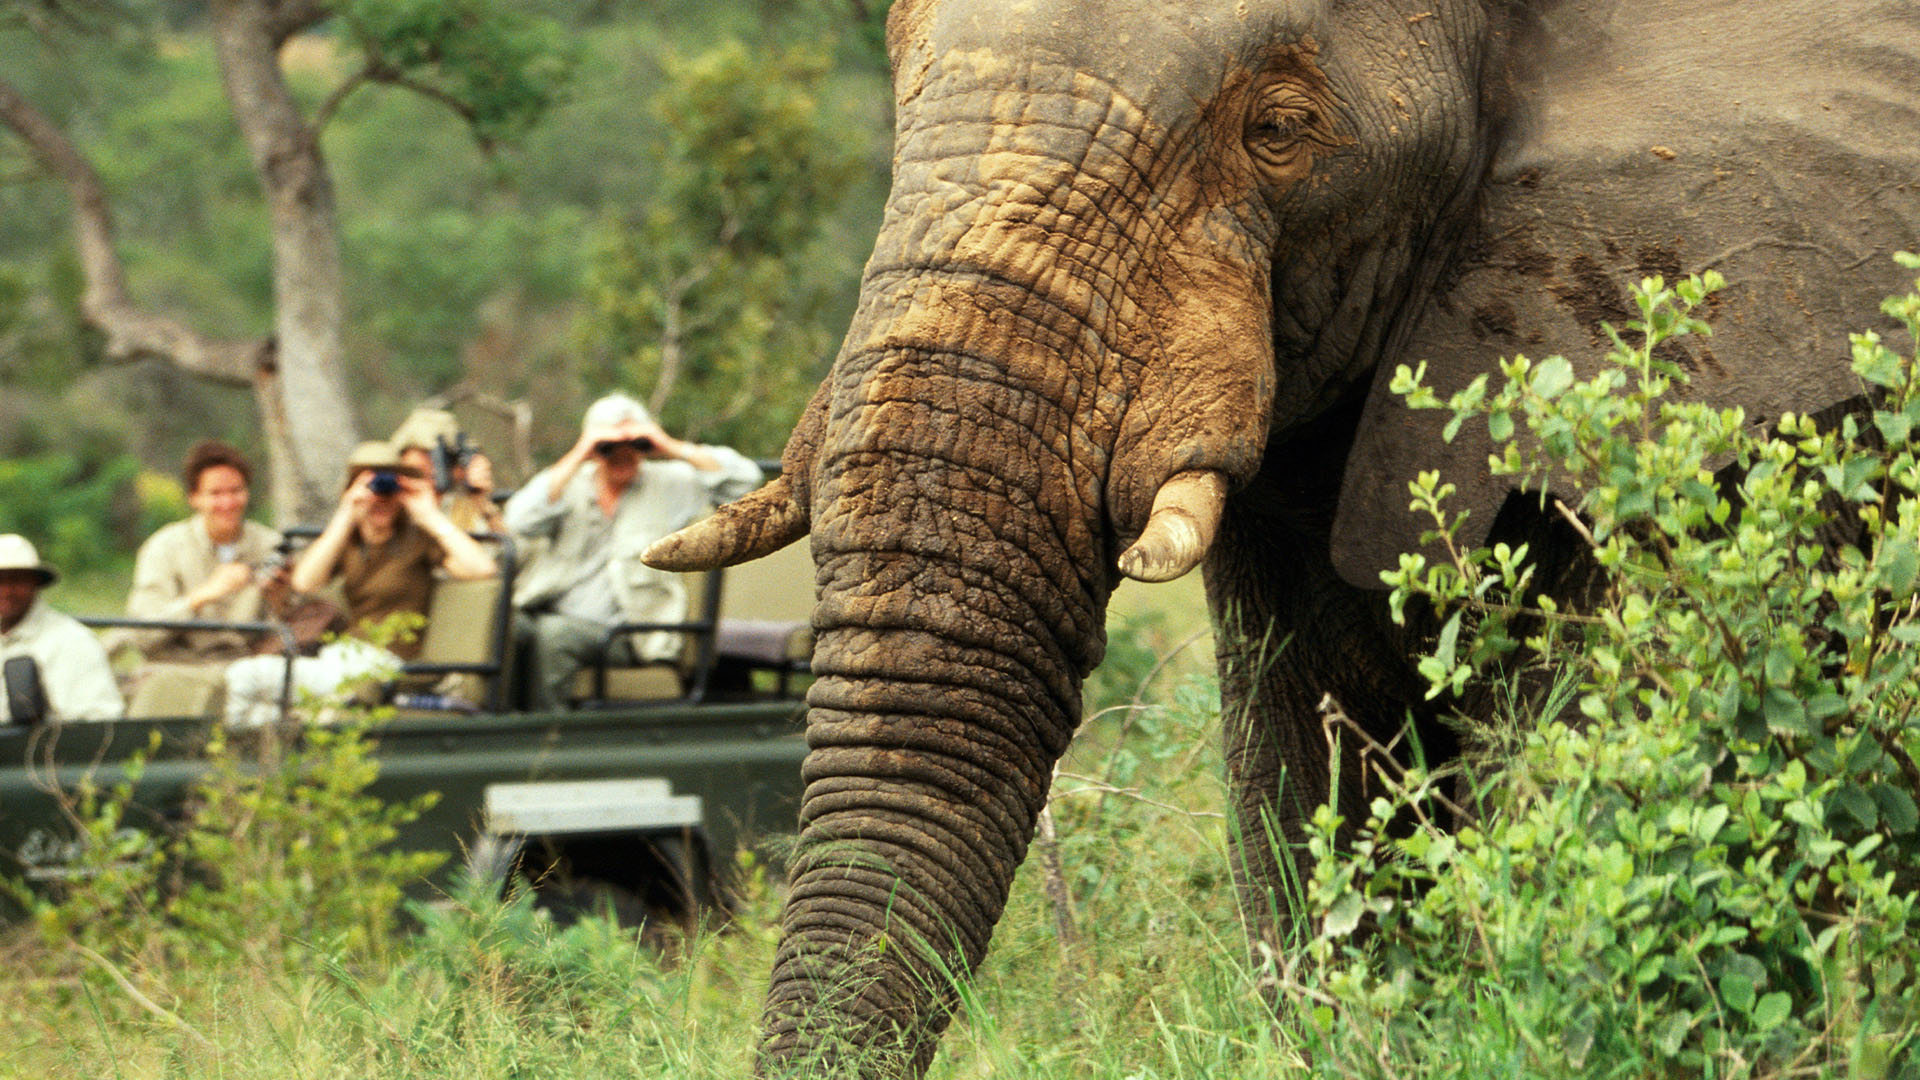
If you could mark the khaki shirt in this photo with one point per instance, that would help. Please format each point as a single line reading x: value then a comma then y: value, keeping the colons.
x: 175, y: 561
x: 394, y: 577
x: 74, y: 671
x: 593, y: 563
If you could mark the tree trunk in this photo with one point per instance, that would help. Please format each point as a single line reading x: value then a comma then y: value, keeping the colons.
x: 306, y: 416
x: 306, y: 420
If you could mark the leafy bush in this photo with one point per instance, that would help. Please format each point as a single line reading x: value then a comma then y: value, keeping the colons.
x: 281, y: 850
x: 1705, y: 867
x: 296, y: 853
x: 81, y: 510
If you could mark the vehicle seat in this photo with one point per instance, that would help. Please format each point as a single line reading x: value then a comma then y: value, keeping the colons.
x: 661, y: 680
x: 167, y: 690
x: 766, y: 619
x: 464, y: 647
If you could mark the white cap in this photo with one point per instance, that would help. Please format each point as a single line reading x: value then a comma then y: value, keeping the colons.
x: 17, y: 553
x: 614, y: 409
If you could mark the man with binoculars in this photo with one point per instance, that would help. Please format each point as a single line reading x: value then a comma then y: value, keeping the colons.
x: 623, y: 485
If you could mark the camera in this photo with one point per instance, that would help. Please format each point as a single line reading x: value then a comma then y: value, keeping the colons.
x: 448, y: 456
x: 384, y: 483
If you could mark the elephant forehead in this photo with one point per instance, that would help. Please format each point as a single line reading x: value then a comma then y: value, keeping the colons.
x: 985, y: 122
x: 1052, y: 181
x: 1173, y: 51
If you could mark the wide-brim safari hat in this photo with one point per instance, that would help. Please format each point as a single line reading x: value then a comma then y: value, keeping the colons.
x: 377, y: 456
x: 424, y: 428
x: 18, y: 553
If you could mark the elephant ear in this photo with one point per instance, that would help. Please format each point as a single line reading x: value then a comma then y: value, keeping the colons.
x: 1776, y: 143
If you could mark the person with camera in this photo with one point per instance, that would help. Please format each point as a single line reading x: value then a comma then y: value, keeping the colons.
x: 431, y: 440
x: 215, y: 566
x: 470, y: 504
x: 383, y: 544
x: 623, y: 485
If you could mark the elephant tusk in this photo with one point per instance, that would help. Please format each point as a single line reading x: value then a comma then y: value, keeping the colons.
x: 756, y: 524
x: 1186, y: 514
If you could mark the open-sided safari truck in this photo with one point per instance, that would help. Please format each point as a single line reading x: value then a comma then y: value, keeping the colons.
x: 636, y: 797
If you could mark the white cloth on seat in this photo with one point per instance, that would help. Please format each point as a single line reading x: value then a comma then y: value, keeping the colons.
x: 253, y: 684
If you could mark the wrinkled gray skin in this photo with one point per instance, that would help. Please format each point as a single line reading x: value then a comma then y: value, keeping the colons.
x: 1130, y: 242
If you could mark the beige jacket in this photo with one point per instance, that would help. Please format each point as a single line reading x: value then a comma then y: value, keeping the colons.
x: 667, y: 495
x: 171, y: 564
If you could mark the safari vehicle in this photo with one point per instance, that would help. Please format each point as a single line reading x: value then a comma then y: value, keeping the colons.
x: 636, y: 797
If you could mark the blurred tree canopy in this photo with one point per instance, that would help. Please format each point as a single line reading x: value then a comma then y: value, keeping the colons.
x: 495, y: 67
x: 705, y: 296
x: 507, y: 230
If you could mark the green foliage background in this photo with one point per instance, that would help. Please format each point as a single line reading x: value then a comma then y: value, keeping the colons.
x: 616, y: 140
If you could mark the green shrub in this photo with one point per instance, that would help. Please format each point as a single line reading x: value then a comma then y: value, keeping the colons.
x: 1705, y: 867
x: 294, y: 853
x: 81, y: 510
x: 280, y: 851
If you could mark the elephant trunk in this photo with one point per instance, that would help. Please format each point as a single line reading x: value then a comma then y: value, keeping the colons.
x: 1053, y: 378
x: 962, y: 595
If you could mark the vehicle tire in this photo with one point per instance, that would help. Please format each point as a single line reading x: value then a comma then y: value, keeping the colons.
x: 569, y: 901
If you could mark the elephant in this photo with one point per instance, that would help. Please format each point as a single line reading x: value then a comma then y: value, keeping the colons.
x: 1139, y: 289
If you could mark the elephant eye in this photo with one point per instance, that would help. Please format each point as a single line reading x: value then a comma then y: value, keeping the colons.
x: 1283, y: 123
x: 1280, y: 131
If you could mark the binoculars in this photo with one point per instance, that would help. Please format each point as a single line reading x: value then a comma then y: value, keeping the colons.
x: 643, y: 444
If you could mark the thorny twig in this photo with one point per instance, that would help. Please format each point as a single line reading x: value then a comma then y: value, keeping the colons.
x: 1579, y: 526
x: 1332, y: 715
x: 1138, y: 703
x: 1103, y: 789
x: 1046, y: 843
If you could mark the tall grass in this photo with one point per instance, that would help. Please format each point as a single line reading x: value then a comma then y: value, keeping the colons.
x: 1120, y: 955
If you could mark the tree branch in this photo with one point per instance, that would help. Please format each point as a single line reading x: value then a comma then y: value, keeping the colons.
x: 289, y: 17
x: 131, y: 334
x: 339, y: 96
x: 517, y: 413
x: 673, y: 322
x: 394, y: 77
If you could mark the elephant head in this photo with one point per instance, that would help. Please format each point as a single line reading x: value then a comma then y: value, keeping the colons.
x: 1140, y: 273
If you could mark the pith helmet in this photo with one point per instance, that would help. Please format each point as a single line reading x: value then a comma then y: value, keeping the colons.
x: 18, y: 553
